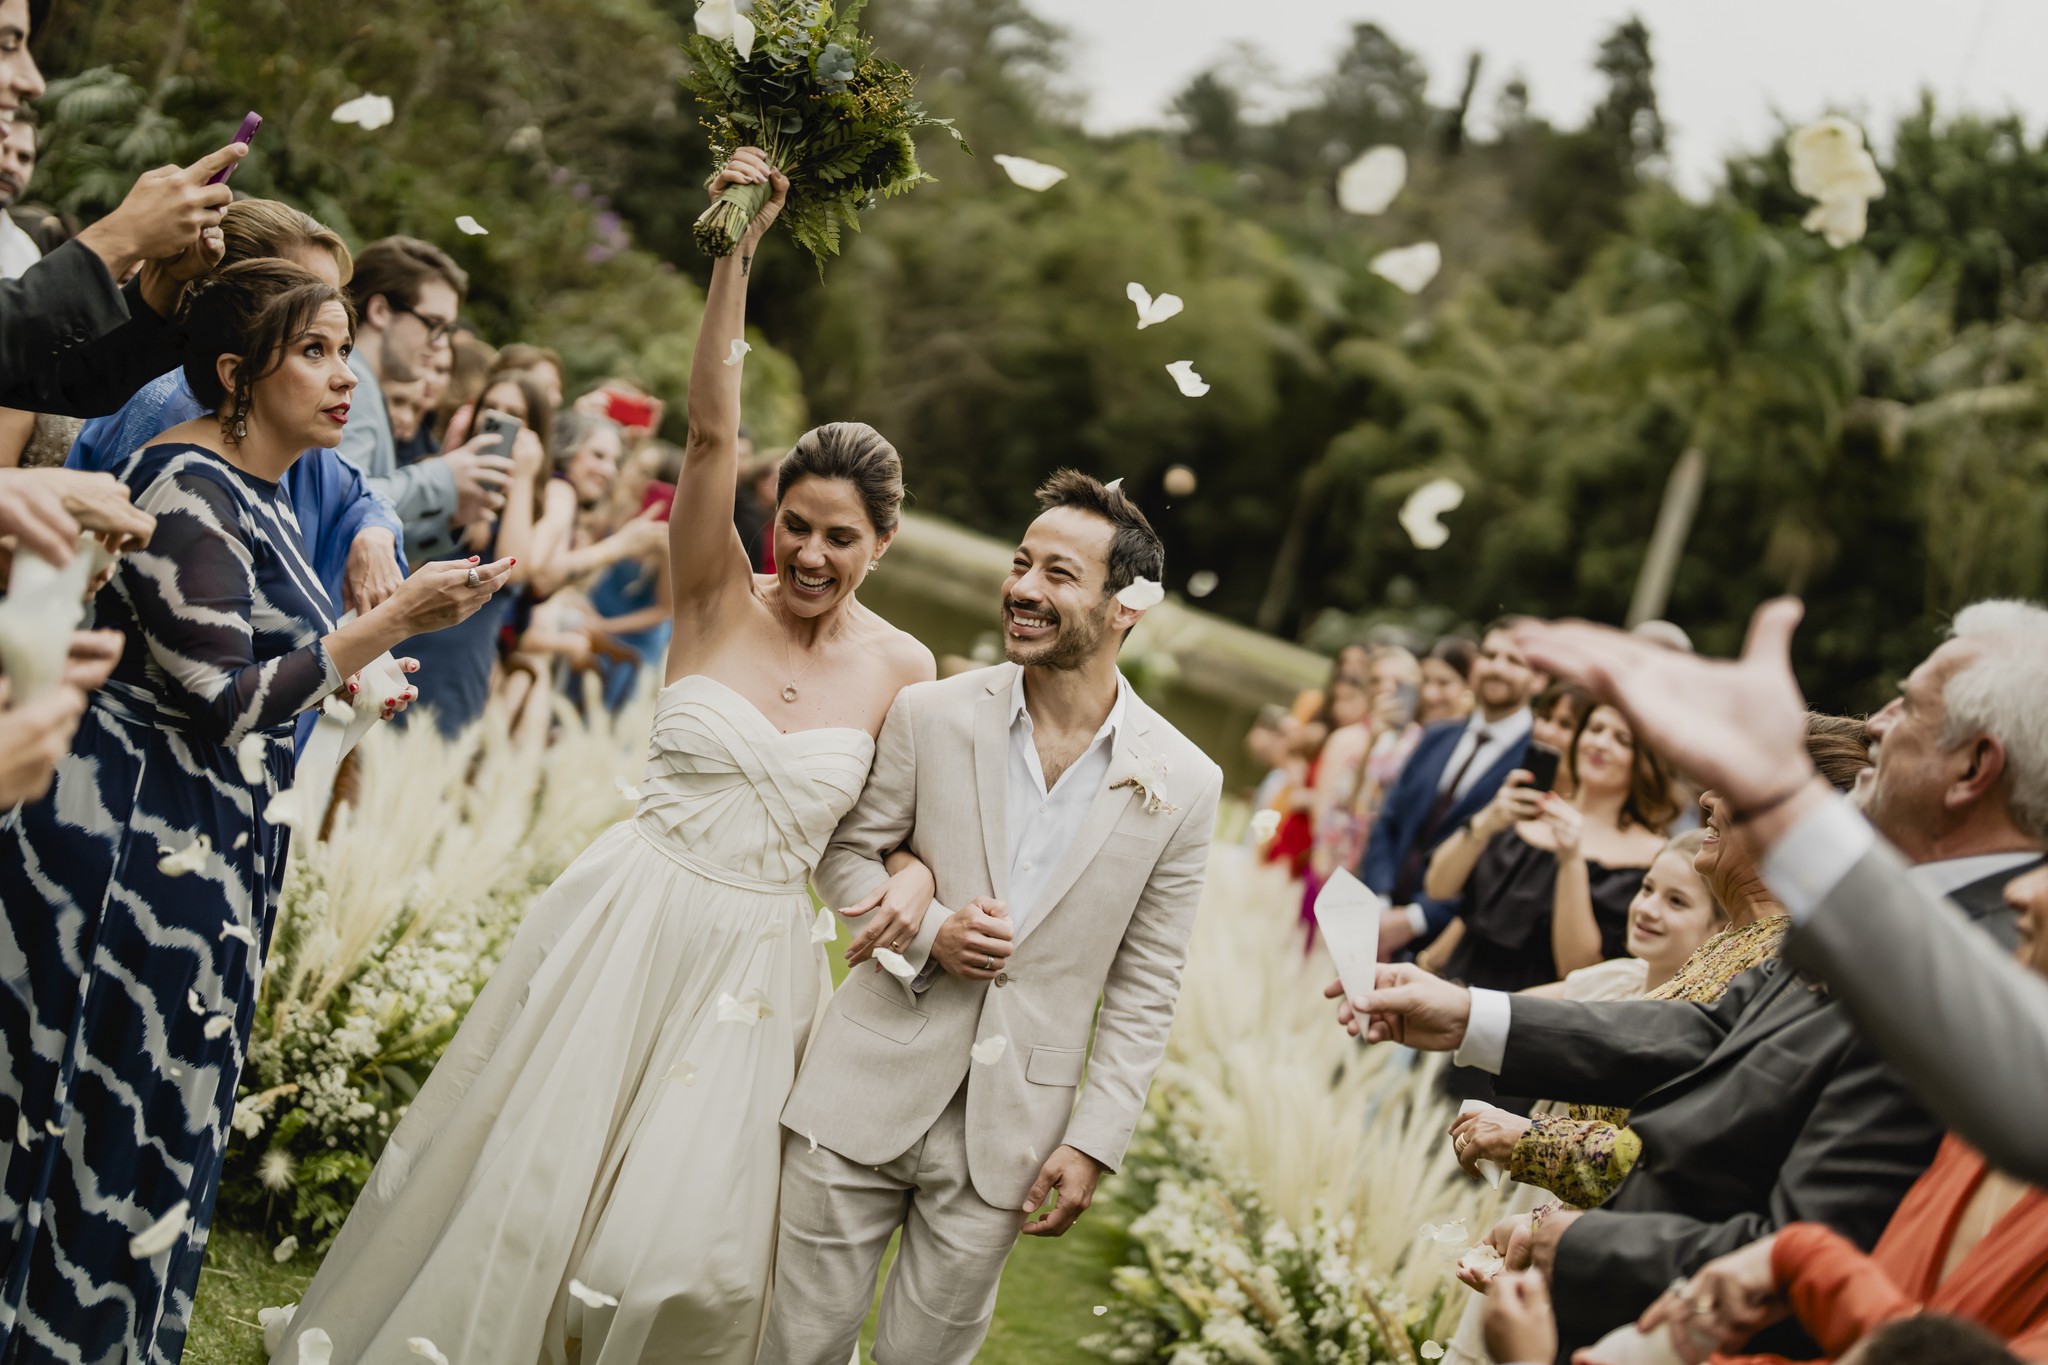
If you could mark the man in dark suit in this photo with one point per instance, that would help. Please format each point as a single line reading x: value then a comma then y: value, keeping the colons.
x: 1455, y: 770
x: 1770, y: 1106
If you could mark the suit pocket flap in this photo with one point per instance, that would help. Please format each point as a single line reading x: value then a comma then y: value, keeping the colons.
x: 867, y: 1006
x: 1056, y: 1065
x: 1125, y: 845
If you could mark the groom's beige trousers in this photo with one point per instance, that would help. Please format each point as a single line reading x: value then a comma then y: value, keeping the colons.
x: 837, y: 1218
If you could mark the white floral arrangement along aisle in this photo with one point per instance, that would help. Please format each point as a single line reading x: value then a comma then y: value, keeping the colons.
x: 386, y: 932
x: 1300, y: 1201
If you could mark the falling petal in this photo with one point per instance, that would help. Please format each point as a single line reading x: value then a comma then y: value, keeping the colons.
x: 1420, y: 514
x: 237, y: 931
x: 471, y: 226
x: 1409, y: 268
x: 1151, y: 310
x: 420, y: 1346
x: 990, y: 1051
x: 1201, y: 583
x: 895, y: 964
x: 252, y: 756
x: 368, y: 112
x: 315, y: 1347
x: 1141, y: 594
x: 749, y: 1009
x: 290, y: 808
x: 1099, y: 1309
x: 1183, y: 372
x: 1113, y: 485
x: 161, y: 1235
x: 285, y: 1250
x: 682, y: 1071
x: 626, y: 789
x: 274, y: 1321
x: 191, y: 858
x: 590, y: 1298
x: 734, y: 352
x: 1179, y: 482
x: 1431, y: 1351
x: 1032, y: 1152
x: 813, y: 1139
x: 1831, y: 165
x: 1032, y: 175
x: 1265, y: 825
x: 1370, y: 183
x: 825, y: 929
x: 217, y: 1025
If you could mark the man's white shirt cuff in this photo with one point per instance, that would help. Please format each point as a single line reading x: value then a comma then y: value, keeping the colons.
x: 1810, y: 861
x: 1418, y: 920
x: 1486, y: 1032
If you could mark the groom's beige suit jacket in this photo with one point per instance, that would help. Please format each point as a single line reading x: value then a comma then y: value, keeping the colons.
x: 1113, y: 926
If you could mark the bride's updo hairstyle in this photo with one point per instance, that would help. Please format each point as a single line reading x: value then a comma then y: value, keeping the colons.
x: 857, y: 453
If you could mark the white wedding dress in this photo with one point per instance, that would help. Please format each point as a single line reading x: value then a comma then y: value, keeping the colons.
x: 597, y: 1119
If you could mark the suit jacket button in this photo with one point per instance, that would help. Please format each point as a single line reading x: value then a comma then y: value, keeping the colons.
x: 1002, y: 978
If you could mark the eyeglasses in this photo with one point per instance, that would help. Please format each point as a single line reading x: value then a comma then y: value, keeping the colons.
x: 436, y: 327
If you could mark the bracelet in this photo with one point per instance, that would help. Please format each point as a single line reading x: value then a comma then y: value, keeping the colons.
x: 1744, y: 816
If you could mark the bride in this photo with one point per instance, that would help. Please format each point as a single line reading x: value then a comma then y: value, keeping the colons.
x: 591, y: 1172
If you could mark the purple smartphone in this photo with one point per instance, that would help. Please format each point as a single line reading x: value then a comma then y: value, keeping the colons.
x: 244, y: 135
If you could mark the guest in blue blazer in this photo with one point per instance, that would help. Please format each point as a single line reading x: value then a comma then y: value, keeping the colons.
x: 1455, y: 770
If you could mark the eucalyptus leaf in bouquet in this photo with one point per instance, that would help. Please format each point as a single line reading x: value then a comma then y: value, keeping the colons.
x: 799, y: 80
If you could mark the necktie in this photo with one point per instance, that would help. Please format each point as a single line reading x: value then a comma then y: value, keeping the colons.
x: 1417, y: 861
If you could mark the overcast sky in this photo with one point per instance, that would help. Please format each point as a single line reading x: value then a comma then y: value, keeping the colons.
x: 1725, y: 68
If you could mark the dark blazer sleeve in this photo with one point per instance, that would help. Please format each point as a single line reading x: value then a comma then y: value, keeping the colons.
x: 1863, y: 1145
x: 1613, y: 1052
x: 1930, y: 989
x: 73, y: 344
x: 1395, y: 824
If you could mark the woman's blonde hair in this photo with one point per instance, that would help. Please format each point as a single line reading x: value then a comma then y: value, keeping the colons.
x: 259, y: 228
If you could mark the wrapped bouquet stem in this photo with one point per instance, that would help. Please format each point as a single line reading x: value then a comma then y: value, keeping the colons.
x: 799, y: 80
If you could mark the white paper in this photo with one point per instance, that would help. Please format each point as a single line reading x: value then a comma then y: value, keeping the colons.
x: 1349, y: 916
x: 44, y: 604
x: 1492, y: 1171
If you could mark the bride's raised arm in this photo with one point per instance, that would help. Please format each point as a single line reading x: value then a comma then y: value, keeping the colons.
x: 706, y: 558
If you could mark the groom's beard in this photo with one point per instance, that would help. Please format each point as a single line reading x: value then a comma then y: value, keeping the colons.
x: 1072, y: 645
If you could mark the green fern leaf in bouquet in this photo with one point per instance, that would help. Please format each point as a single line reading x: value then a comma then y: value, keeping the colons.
x: 799, y: 80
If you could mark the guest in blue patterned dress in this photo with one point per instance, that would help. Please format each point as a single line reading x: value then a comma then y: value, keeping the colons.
x: 138, y: 895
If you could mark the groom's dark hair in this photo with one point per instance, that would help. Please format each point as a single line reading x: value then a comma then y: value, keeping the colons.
x: 1134, y: 550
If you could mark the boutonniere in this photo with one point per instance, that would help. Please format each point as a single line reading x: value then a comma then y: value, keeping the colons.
x: 1150, y: 783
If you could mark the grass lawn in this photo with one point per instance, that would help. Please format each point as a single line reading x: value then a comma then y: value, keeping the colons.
x: 1049, y: 1288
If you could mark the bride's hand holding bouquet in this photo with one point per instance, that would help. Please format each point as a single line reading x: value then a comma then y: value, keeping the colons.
x: 748, y: 168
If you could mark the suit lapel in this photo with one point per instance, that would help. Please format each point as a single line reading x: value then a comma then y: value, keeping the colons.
x: 992, y: 778
x: 1125, y: 762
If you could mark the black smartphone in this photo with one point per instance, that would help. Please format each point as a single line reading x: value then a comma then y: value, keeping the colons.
x: 1540, y: 761
x: 245, y: 135
x: 502, y: 425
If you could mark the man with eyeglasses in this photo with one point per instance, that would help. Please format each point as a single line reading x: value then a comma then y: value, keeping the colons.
x: 407, y: 293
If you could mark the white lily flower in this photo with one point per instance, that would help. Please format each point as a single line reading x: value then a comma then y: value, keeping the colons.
x: 239, y: 932
x: 990, y: 1051
x: 1191, y: 384
x: 825, y: 929
x: 471, y: 226
x: 316, y: 1347
x: 274, y: 1321
x: 895, y: 964
x: 738, y: 349
x: 367, y: 112
x: 1421, y: 511
x: 1151, y: 310
x: 191, y: 858
x: 1141, y: 594
x: 285, y: 1250
x: 218, y: 1024
x: 421, y: 1346
x: 1265, y: 825
x: 1202, y: 582
x: 1369, y: 184
x: 1032, y: 175
x: 721, y: 21
x: 161, y: 1235
x: 1409, y: 268
x: 1831, y: 165
x: 251, y: 756
x: 590, y: 1298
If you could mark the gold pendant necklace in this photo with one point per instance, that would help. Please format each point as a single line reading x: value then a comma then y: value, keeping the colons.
x: 789, y: 692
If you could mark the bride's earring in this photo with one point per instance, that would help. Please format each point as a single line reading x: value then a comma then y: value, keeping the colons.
x: 874, y: 564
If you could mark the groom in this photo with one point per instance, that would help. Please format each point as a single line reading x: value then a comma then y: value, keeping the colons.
x: 1067, y: 826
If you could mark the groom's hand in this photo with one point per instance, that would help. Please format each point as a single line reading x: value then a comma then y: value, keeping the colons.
x: 976, y: 943
x: 1073, y: 1173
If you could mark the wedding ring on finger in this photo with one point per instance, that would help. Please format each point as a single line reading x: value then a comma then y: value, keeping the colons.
x: 472, y: 579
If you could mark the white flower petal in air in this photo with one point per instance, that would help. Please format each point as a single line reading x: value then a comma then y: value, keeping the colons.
x: 825, y: 929
x: 1265, y: 825
x: 426, y: 1349
x: 218, y: 1024
x: 1113, y: 485
x: 895, y: 964
x: 813, y: 1137
x: 1141, y: 594
x: 1420, y: 514
x: 1179, y: 481
x: 1032, y: 175
x: 1409, y: 268
x: 1202, y: 582
x: 1100, y: 1310
x: 590, y: 1298
x: 738, y: 349
x: 1370, y: 183
x: 252, y: 757
x: 367, y: 112
x: 161, y: 1235
x: 274, y: 1321
x: 1445, y: 1238
x: 316, y: 1347
x: 471, y: 227
x: 291, y: 808
x: 990, y: 1050
x: 749, y: 1009
x: 1831, y: 165
x: 285, y: 1250
x: 238, y: 931
x: 1191, y: 384
x: 1431, y: 1351
x: 1151, y: 310
x: 191, y: 858
x: 626, y: 789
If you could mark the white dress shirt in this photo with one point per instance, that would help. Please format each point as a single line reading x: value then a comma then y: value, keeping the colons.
x: 1044, y: 824
x: 1493, y: 739
x: 18, y: 250
x: 1801, y: 869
